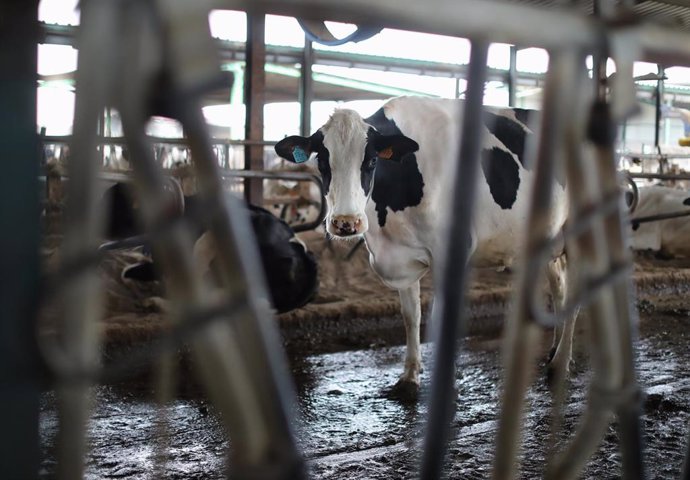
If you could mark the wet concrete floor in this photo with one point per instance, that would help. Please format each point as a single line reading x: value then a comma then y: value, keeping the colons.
x: 350, y: 429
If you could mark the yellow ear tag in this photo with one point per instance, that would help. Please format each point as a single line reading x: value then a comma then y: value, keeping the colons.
x: 386, y: 153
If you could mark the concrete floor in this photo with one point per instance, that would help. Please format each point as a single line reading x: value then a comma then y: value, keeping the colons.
x: 350, y: 429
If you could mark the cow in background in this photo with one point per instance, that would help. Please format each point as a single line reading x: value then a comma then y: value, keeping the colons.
x: 669, y: 237
x: 289, y: 268
x: 388, y: 179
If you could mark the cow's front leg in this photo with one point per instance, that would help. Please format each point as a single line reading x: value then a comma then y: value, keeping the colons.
x: 408, y: 384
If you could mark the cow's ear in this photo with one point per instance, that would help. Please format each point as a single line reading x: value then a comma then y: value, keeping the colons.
x: 142, y: 271
x: 297, y: 149
x: 394, y: 147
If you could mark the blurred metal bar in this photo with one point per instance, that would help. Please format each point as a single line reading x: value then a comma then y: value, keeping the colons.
x: 240, y: 362
x: 658, y: 101
x: 20, y: 370
x: 449, y: 314
x: 163, y: 140
x: 231, y: 51
x: 661, y: 216
x: 522, y: 335
x: 629, y: 406
x: 306, y: 88
x: 660, y: 176
x: 602, y: 249
x: 537, y: 27
x: 264, y: 175
x: 81, y: 301
x: 254, y: 96
x: 512, y: 76
x: 468, y: 18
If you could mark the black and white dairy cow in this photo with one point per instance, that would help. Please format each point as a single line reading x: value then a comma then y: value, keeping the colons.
x: 387, y: 179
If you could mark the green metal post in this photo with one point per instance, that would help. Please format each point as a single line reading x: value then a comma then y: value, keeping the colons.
x: 19, y: 242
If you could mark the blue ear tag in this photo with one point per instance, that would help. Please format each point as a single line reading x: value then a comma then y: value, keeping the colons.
x: 299, y: 155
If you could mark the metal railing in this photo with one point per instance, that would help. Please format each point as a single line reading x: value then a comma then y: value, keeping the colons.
x: 259, y: 175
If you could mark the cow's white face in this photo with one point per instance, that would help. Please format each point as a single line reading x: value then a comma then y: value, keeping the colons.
x: 345, y: 139
x: 347, y: 150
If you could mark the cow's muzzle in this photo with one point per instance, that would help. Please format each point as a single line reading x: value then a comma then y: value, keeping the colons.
x: 346, y: 225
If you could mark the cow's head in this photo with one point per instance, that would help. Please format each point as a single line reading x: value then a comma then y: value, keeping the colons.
x: 347, y: 150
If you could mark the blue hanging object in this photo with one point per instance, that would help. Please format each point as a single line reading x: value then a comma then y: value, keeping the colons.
x: 299, y: 155
x: 316, y: 31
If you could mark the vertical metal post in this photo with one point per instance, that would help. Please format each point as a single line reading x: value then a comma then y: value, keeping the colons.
x: 449, y: 300
x: 629, y: 412
x: 19, y: 262
x: 512, y: 76
x: 521, y: 333
x: 657, y: 105
x: 306, y: 88
x: 254, y: 98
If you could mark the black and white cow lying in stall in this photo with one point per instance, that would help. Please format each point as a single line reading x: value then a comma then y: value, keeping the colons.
x: 387, y: 179
x: 670, y: 237
x: 289, y: 268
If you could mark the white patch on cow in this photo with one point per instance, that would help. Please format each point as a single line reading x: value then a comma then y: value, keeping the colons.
x: 345, y: 138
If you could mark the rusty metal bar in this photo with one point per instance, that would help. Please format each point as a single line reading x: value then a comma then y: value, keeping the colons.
x: 448, y: 313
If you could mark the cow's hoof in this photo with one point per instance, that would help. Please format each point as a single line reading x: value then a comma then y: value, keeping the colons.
x: 404, y: 391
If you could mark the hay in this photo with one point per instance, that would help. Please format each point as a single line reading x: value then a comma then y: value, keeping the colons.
x: 351, y: 298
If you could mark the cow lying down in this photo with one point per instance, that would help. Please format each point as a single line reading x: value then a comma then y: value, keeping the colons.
x: 669, y: 237
x: 289, y: 268
x: 387, y: 179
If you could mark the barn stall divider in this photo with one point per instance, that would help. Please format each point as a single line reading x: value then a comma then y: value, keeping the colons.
x: 240, y: 358
x: 241, y: 363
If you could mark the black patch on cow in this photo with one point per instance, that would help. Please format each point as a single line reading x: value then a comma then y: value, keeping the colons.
x: 142, y: 272
x: 397, y: 185
x: 324, y: 164
x: 503, y: 176
x: 686, y: 201
x: 523, y: 115
x: 509, y: 132
x: 368, y: 162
